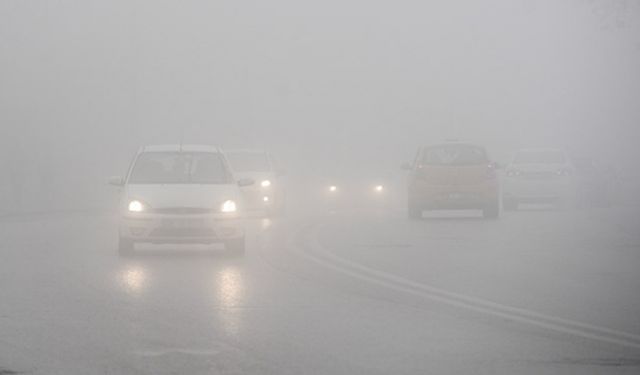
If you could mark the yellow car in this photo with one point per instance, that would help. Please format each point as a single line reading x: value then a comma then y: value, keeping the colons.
x: 452, y: 176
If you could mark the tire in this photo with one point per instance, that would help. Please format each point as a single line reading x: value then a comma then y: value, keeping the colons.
x: 567, y: 203
x: 236, y: 246
x: 603, y: 201
x: 414, y: 212
x: 282, y: 206
x: 491, y: 211
x: 509, y: 204
x: 125, y: 247
x: 278, y: 210
x: 584, y: 199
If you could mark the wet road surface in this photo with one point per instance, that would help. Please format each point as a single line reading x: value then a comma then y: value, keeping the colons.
x: 537, y: 291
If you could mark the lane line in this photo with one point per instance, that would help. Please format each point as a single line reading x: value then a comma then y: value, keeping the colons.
x: 319, y: 254
x: 185, y: 351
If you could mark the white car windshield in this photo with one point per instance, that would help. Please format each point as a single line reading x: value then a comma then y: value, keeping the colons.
x: 454, y: 155
x: 248, y: 161
x: 180, y: 168
x: 539, y: 157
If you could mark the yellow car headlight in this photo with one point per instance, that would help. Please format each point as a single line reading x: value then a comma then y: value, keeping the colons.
x: 229, y: 206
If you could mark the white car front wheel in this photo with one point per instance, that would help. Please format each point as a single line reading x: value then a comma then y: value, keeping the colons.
x: 125, y: 246
x: 237, y: 246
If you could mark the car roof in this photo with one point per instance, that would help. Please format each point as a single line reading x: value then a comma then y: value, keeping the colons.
x: 454, y: 143
x: 245, y: 150
x: 179, y: 148
x: 541, y: 149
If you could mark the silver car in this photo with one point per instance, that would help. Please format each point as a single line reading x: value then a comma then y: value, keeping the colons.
x: 180, y: 194
x: 268, y: 193
x: 540, y: 175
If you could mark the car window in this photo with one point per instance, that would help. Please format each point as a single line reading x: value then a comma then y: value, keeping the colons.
x: 539, y: 157
x: 454, y: 155
x: 584, y: 165
x: 248, y: 161
x: 179, y: 168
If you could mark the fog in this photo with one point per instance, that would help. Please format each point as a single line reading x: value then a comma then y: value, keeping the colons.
x: 345, y: 94
x: 85, y: 83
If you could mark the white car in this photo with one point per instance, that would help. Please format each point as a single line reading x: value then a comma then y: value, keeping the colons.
x: 268, y: 193
x: 356, y: 191
x: 539, y: 176
x: 180, y: 194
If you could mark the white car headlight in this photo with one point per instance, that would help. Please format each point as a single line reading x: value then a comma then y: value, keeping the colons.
x: 333, y: 188
x: 265, y: 183
x: 378, y: 188
x: 136, y: 206
x: 229, y: 206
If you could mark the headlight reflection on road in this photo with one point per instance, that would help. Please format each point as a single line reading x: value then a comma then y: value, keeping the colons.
x: 265, y: 223
x: 230, y: 289
x: 133, y: 279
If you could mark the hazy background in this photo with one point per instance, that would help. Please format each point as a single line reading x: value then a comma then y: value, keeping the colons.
x: 360, y: 84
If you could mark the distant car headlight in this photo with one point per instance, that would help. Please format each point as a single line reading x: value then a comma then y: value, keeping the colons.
x: 333, y: 189
x: 136, y: 206
x: 564, y: 172
x: 513, y: 173
x: 378, y: 188
x: 265, y: 183
x: 229, y: 206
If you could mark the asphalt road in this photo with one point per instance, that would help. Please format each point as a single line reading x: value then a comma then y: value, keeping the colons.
x: 535, y: 292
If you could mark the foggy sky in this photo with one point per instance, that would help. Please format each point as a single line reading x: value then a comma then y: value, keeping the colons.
x: 84, y: 83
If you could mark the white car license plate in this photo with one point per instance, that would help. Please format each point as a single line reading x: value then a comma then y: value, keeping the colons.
x: 184, y: 223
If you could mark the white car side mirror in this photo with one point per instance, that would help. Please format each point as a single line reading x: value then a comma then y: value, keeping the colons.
x: 245, y: 182
x: 116, y: 181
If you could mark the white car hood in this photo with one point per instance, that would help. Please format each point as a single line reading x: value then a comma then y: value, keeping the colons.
x: 179, y: 195
x: 538, y: 167
x: 256, y: 176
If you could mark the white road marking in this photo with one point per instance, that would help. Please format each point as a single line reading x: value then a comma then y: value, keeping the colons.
x: 322, y: 256
x: 162, y: 352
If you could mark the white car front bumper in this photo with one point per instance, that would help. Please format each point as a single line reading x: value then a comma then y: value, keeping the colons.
x: 537, y: 190
x: 194, y: 228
